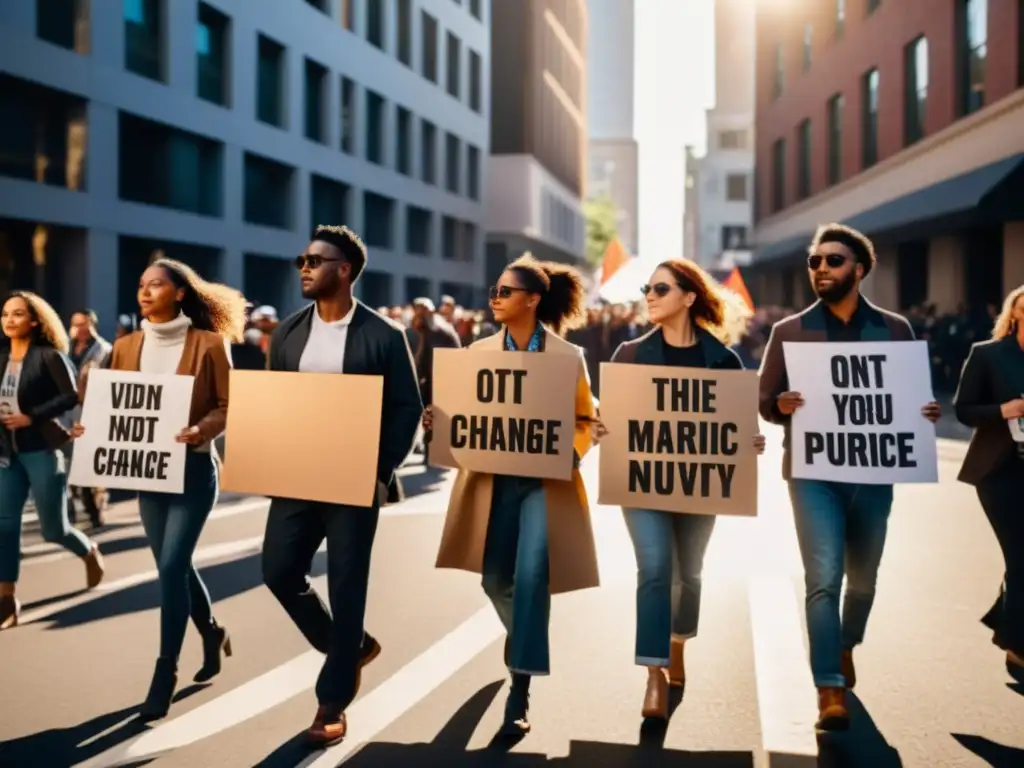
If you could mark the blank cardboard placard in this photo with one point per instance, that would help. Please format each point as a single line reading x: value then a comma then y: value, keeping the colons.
x: 310, y: 436
x: 679, y: 439
x: 507, y: 413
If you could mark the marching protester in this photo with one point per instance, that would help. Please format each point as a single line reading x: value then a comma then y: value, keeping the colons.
x: 535, y: 302
x: 696, y: 321
x: 338, y: 334
x: 991, y: 396
x: 38, y: 387
x: 841, y: 527
x: 187, y: 324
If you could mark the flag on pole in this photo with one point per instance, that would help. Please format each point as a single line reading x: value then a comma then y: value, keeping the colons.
x: 615, y: 258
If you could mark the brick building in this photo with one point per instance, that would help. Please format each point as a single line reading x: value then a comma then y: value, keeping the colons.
x: 905, y: 119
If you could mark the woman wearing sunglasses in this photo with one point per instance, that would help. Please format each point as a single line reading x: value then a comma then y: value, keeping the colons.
x: 186, y: 327
x: 499, y: 525
x: 695, y: 318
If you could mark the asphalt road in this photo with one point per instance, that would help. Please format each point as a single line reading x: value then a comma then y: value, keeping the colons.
x: 932, y: 689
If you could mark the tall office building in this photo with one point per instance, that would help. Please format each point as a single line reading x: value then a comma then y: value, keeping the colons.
x: 222, y: 132
x: 612, y: 151
x: 724, y: 175
x: 537, y: 172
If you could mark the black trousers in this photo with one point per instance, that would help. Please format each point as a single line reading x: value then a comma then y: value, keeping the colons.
x: 1002, y: 497
x: 295, y: 530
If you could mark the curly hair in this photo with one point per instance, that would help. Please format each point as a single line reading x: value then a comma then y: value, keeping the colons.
x: 562, y: 295
x: 860, y: 246
x: 49, y: 331
x: 718, y: 310
x: 210, y: 306
x: 1004, y: 324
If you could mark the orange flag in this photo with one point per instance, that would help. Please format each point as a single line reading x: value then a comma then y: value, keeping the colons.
x: 615, y: 258
x: 735, y: 283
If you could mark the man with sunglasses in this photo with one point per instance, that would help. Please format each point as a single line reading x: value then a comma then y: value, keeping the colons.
x: 841, y: 527
x: 337, y: 334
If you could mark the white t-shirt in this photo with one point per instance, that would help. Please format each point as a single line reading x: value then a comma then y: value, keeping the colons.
x: 325, y: 348
x: 9, y: 389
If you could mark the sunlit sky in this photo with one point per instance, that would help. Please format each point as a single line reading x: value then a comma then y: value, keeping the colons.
x: 674, y: 85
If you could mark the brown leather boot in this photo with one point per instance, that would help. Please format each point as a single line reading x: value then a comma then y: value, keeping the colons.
x: 832, y: 712
x: 94, y: 569
x: 849, y: 671
x: 329, y: 726
x: 656, y: 696
x: 676, y: 669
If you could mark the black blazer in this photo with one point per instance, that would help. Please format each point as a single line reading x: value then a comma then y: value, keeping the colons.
x: 648, y: 350
x: 375, y: 346
x: 992, y: 375
x: 47, y: 389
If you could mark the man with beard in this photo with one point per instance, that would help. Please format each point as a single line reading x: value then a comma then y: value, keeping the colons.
x: 841, y: 527
x: 337, y: 334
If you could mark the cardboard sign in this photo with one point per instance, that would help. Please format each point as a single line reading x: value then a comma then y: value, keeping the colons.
x: 679, y: 439
x: 506, y: 413
x: 310, y: 436
x: 131, y: 420
x: 861, y: 421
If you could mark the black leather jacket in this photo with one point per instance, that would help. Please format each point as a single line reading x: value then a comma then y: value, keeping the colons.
x: 46, y: 390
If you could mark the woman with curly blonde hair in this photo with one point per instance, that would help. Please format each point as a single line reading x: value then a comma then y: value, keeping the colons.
x: 187, y: 324
x: 37, y: 387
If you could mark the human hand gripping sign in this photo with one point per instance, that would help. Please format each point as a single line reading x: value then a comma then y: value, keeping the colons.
x: 189, y: 435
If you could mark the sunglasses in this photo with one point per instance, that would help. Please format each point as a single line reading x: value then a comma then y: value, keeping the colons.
x: 311, y: 261
x: 502, y: 291
x: 660, y: 289
x: 834, y: 260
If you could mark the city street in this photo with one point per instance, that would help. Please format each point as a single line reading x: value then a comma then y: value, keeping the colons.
x: 932, y: 689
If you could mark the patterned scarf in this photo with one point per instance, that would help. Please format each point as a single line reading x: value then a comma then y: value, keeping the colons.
x: 533, y: 346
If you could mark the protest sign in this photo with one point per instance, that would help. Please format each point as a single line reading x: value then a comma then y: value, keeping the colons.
x: 679, y: 439
x: 861, y: 420
x: 131, y: 420
x: 309, y: 436
x: 508, y: 413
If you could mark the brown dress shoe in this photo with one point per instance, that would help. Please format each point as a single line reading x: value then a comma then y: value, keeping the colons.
x: 849, y: 671
x: 94, y: 569
x: 329, y: 726
x: 676, y: 670
x: 832, y: 712
x: 656, y: 696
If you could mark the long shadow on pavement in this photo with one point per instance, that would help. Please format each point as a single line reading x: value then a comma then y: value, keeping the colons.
x: 862, y: 745
x: 995, y: 754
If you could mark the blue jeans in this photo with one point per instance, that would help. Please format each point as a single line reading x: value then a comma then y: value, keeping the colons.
x: 515, y: 571
x: 44, y: 473
x: 669, y: 551
x: 841, y: 529
x: 173, y: 523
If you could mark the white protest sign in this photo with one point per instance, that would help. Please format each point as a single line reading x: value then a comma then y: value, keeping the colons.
x: 861, y: 419
x: 131, y: 420
x: 1016, y: 429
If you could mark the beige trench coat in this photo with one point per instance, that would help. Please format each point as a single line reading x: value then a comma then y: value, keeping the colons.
x: 571, y: 551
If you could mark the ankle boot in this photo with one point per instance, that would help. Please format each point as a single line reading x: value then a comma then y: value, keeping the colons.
x: 161, y: 690
x: 656, y: 696
x: 517, y: 706
x: 215, y: 640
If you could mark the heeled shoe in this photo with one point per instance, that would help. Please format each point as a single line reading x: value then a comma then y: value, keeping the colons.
x: 517, y: 707
x: 161, y: 690
x: 215, y: 640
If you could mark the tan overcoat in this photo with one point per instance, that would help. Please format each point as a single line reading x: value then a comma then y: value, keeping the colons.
x: 571, y: 551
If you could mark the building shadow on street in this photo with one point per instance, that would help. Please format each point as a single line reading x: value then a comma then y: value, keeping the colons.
x: 995, y: 754
x: 427, y: 480
x: 862, y: 745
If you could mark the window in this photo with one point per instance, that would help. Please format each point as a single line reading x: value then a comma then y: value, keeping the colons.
x: 428, y: 33
x: 475, y: 101
x: 417, y: 231
x: 869, y: 119
x: 803, y: 160
x: 835, y: 138
x: 268, y: 186
x: 428, y: 152
x: 733, y: 237
x: 972, y: 52
x: 375, y: 127
x: 452, y: 164
x: 403, y: 141
x: 779, y: 83
x: 328, y: 201
x: 915, y: 99
x: 454, y: 47
x: 404, y: 31
x: 348, y: 116
x: 807, y: 46
x: 378, y: 215
x: 315, y: 83
x: 64, y: 23
x: 143, y: 38
x: 476, y: 10
x: 472, y: 172
x: 778, y: 175
x: 840, y: 18
x: 450, y: 239
x: 375, y: 11
x: 736, y: 187
x: 348, y: 15
x: 320, y: 5
x: 732, y: 139
x: 270, y: 82
x: 211, y: 55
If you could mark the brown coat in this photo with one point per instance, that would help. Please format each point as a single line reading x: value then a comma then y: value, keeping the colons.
x: 203, y: 357
x: 571, y: 552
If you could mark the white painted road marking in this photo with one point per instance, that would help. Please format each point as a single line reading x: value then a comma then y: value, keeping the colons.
x: 367, y: 717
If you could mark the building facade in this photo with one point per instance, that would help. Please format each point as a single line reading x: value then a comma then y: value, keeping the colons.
x: 724, y: 176
x: 537, y: 174
x: 612, y: 152
x: 221, y: 132
x: 902, y: 119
